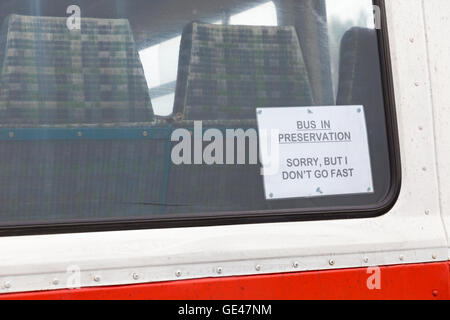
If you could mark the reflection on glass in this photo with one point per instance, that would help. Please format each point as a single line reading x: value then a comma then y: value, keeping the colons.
x: 165, y: 53
x: 262, y: 15
x: 163, y: 105
x: 343, y: 15
x: 160, y: 64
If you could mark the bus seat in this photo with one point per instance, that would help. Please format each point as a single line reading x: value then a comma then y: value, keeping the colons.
x: 359, y: 69
x: 76, y: 123
x: 225, y: 72
x: 309, y: 19
x: 3, y: 37
x: 360, y: 83
x: 53, y: 75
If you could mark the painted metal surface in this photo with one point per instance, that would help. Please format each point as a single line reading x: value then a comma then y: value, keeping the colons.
x: 420, y: 281
x: 436, y: 15
x: 411, y: 233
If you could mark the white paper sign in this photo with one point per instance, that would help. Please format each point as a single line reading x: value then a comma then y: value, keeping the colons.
x: 314, y: 151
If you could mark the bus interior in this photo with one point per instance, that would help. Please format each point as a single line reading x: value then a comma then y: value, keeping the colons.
x: 82, y: 141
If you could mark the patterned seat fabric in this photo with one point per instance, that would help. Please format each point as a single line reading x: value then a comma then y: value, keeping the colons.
x: 225, y: 72
x: 51, y: 75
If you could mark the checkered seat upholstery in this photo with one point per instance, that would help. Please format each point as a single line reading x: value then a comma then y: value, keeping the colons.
x: 225, y: 72
x: 52, y: 75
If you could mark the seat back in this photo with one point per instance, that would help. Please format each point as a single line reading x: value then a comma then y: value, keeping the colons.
x: 225, y: 72
x: 359, y: 69
x: 360, y: 83
x: 3, y: 36
x: 52, y: 75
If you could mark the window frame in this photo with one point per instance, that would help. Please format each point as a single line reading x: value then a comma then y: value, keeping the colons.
x: 266, y: 216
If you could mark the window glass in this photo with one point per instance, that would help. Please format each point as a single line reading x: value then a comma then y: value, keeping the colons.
x: 129, y: 110
x: 161, y: 76
x: 341, y: 16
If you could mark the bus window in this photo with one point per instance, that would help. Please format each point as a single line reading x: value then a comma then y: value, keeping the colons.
x: 136, y: 114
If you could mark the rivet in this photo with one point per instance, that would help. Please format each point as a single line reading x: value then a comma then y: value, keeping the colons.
x: 366, y: 259
x: 258, y: 267
x: 79, y: 133
x: 271, y: 195
x: 145, y: 133
x: 401, y: 257
x: 135, y: 276
x: 435, y: 293
x: 295, y: 264
x: 97, y: 278
x: 7, y: 285
x: 331, y: 262
x: 219, y: 270
x: 411, y: 40
x: 416, y: 84
x: 11, y: 135
x: 178, y: 273
x: 434, y: 256
x: 427, y: 212
x: 424, y: 168
x: 55, y: 282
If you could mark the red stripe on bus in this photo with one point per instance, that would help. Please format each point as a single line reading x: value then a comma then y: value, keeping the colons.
x: 415, y: 281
